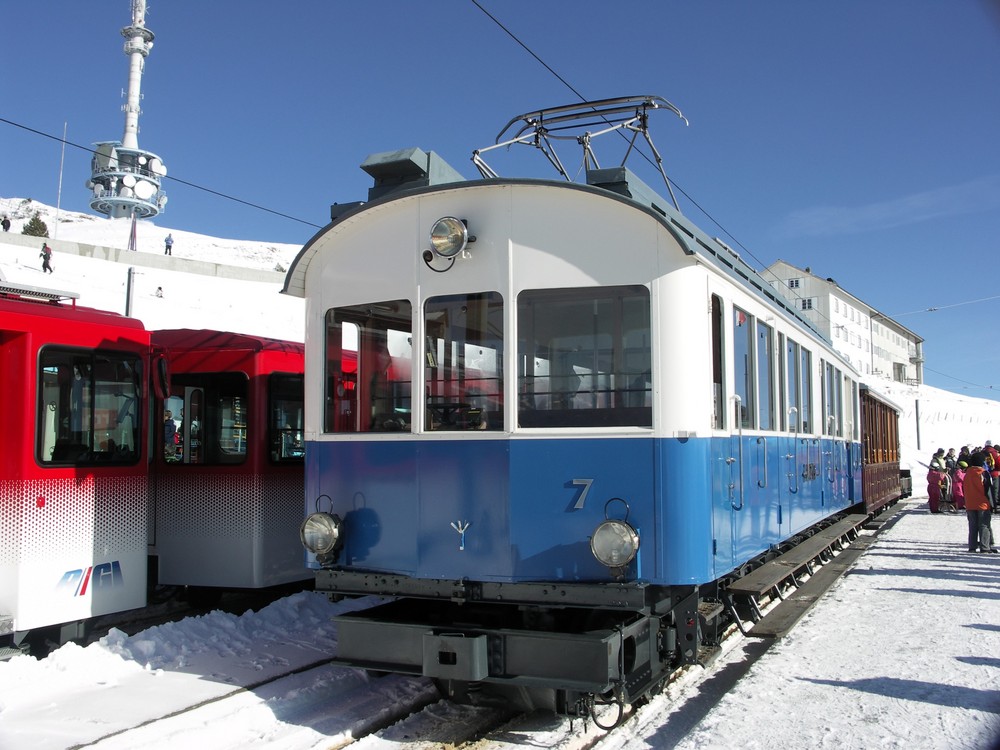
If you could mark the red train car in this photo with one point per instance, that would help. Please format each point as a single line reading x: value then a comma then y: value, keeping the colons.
x: 73, y: 462
x: 882, y: 483
x: 228, y: 473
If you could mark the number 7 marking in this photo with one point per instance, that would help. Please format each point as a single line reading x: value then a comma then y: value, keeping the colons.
x: 585, y: 483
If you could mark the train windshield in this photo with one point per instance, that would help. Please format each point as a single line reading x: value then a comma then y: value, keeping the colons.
x: 89, y: 408
x: 463, y: 361
x: 368, y: 368
x: 584, y: 357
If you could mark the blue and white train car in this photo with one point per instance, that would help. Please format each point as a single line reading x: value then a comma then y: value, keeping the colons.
x: 549, y: 418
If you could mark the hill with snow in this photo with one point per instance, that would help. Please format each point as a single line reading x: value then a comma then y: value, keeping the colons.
x: 234, y: 285
x: 207, y: 282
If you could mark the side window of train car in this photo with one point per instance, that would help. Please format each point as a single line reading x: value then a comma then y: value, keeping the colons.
x: 584, y: 357
x: 463, y: 362
x: 744, y: 353
x: 855, y: 431
x: 765, y: 375
x: 89, y: 408
x: 285, y: 394
x: 806, y: 392
x: 718, y: 364
x: 833, y: 400
x: 792, y: 362
x: 369, y: 356
x: 206, y: 419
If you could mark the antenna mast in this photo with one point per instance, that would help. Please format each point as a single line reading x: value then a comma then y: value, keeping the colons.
x: 125, y: 180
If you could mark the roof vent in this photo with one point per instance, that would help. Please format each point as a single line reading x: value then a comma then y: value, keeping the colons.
x: 623, y: 181
x: 407, y: 169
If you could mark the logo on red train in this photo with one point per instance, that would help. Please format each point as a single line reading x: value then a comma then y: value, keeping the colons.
x: 97, y: 577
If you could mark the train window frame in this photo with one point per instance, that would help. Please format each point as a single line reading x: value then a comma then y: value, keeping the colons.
x: 718, y: 332
x: 765, y: 376
x: 76, y: 411
x: 214, y: 410
x: 792, y: 365
x: 806, y: 394
x: 376, y: 396
x: 463, y: 362
x: 286, y: 413
x: 832, y: 399
x: 744, y: 368
x: 584, y: 369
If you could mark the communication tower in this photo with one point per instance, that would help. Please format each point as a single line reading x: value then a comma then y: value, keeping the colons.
x: 124, y: 179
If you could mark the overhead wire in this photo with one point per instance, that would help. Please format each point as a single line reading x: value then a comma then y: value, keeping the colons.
x: 698, y: 206
x: 579, y: 95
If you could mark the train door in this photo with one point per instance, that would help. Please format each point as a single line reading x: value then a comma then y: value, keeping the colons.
x: 745, y: 419
x: 789, y: 407
x: 185, y: 408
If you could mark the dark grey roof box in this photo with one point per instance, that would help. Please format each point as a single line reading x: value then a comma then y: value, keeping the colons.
x: 406, y: 169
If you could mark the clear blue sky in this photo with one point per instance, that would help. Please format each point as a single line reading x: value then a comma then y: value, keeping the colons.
x: 858, y: 137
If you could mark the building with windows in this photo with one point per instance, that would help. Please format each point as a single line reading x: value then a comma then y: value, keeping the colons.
x: 873, y: 342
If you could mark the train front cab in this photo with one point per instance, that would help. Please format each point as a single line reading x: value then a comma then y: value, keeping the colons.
x: 227, y: 472
x: 585, y: 403
x: 73, y: 489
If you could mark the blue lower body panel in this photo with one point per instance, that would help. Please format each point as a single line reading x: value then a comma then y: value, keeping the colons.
x: 521, y: 510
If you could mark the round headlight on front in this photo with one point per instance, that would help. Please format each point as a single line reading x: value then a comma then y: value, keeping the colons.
x: 320, y: 533
x: 449, y: 236
x: 614, y: 543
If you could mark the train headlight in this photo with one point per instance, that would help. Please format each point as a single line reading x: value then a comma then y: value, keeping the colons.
x: 614, y: 543
x: 321, y: 533
x: 449, y: 236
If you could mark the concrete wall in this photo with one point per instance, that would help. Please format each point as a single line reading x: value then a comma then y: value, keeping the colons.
x: 148, y: 260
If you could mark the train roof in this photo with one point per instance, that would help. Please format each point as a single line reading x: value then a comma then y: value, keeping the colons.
x: 187, y: 338
x: 617, y: 183
x: 878, y: 396
x: 20, y: 299
x: 412, y: 172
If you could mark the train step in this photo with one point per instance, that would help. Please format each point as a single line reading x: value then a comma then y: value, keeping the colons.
x: 781, y: 619
x: 9, y: 652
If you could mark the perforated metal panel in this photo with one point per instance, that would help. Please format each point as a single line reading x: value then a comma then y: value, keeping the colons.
x: 86, y: 518
x: 71, y: 548
x: 229, y: 530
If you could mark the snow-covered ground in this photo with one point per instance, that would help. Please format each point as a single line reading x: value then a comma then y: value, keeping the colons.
x: 901, y: 653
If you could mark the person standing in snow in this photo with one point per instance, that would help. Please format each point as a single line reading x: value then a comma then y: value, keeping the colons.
x: 6, y: 223
x: 46, y: 256
x: 977, y: 505
x: 935, y: 475
x: 168, y: 245
x: 957, y: 489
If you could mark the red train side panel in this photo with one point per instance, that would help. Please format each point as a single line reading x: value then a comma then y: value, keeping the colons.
x: 228, y: 477
x: 73, y: 485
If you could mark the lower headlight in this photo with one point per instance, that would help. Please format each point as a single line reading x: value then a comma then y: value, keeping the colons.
x: 614, y: 543
x: 320, y: 533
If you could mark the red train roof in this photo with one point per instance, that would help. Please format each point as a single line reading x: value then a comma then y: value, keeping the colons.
x: 187, y: 338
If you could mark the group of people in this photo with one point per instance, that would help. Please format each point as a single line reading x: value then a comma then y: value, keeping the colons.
x: 969, y: 481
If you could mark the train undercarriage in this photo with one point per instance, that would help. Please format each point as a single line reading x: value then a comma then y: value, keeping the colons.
x: 559, y: 647
x: 563, y: 647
